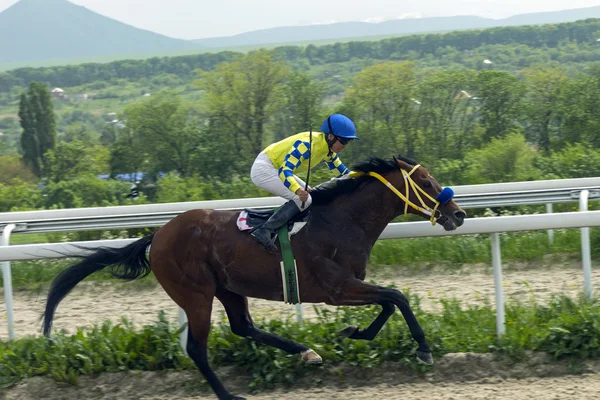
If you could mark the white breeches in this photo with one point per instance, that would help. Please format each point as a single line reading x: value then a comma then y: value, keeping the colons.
x: 265, y: 176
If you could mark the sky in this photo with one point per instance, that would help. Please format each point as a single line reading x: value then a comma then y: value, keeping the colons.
x: 196, y: 19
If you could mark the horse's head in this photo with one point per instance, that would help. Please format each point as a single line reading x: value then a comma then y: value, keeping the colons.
x: 416, y: 191
x: 425, y: 195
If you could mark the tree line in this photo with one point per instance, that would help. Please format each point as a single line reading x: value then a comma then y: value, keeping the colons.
x: 577, y: 40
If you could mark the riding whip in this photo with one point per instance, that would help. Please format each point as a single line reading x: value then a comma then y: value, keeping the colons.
x: 309, y: 157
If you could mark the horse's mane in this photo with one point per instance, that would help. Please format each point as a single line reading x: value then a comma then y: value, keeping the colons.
x: 326, y: 192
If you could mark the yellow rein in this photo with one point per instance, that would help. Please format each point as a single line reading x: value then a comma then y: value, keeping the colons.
x: 424, y: 208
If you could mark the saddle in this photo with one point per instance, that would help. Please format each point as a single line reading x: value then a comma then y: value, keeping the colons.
x: 250, y: 219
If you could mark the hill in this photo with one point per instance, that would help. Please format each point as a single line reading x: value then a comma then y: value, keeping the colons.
x: 33, y: 30
x: 394, y: 27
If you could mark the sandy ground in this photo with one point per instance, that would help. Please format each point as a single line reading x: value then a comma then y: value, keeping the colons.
x: 457, y: 377
x: 91, y: 303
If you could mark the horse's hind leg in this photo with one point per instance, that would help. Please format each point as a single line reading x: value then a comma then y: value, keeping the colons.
x: 198, y: 329
x: 354, y: 332
x: 196, y: 300
x: 241, y: 323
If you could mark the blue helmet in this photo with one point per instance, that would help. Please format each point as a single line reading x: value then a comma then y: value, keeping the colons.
x: 339, y: 125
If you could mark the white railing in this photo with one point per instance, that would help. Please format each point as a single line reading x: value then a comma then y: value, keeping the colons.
x: 151, y: 215
x: 491, y: 226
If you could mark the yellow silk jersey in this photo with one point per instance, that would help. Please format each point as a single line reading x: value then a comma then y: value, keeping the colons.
x: 290, y: 156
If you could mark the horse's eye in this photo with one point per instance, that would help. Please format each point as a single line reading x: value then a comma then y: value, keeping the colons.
x: 427, y: 185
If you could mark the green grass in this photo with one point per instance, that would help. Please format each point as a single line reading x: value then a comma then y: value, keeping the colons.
x: 565, y: 328
x: 457, y: 250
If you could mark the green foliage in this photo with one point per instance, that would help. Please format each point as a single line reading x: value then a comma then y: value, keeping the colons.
x: 546, y: 89
x: 75, y: 159
x: 302, y: 106
x: 500, y: 96
x: 166, y: 131
x: 36, y: 114
x: 574, y: 161
x: 565, y: 328
x: 173, y: 188
x: 502, y: 160
x: 12, y: 167
x: 86, y: 191
x: 105, y: 348
x: 242, y: 95
x: 20, y: 196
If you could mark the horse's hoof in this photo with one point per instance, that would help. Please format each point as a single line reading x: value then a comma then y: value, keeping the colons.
x: 424, y: 357
x: 348, y: 331
x: 237, y: 398
x: 311, y: 357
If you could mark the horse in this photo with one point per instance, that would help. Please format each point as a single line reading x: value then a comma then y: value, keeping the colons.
x: 201, y: 254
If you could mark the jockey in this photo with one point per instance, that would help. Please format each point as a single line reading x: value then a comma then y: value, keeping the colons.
x: 276, y: 167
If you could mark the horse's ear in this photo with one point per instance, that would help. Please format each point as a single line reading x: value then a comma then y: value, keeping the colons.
x: 402, y: 164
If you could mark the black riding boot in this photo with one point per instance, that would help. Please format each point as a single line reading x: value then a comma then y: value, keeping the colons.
x: 265, y: 233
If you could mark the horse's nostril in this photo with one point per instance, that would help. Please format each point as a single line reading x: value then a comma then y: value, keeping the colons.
x: 460, y: 214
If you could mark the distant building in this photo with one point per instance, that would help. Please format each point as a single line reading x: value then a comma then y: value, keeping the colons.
x: 57, y: 93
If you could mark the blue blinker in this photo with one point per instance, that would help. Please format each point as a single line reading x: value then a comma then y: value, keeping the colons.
x: 445, y: 195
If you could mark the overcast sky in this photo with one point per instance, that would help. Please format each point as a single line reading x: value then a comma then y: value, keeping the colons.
x: 195, y: 19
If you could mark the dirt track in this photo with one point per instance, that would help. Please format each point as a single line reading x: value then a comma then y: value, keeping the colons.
x: 457, y: 377
x: 94, y: 303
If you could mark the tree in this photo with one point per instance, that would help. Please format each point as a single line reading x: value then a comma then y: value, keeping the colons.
x: 243, y: 95
x: 579, y: 108
x: 446, y: 114
x: 546, y: 90
x: 382, y: 105
x: 12, y: 167
x: 509, y: 159
x: 166, y: 130
x: 36, y: 114
x: 74, y: 159
x: 500, y: 95
x: 127, y: 154
x: 302, y: 105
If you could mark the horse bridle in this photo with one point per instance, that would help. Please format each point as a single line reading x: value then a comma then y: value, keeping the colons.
x: 434, y: 213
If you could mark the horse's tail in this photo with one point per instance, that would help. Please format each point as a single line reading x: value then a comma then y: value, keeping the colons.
x: 128, y: 263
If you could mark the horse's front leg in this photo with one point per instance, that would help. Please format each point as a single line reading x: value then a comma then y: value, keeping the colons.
x: 354, y: 292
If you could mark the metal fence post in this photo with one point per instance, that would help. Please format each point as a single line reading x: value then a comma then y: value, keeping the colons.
x: 550, y: 231
x: 7, y: 277
x: 299, y: 315
x: 497, y: 265
x: 586, y: 256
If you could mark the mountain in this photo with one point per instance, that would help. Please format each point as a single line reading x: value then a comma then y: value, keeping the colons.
x: 393, y: 27
x: 50, y: 29
x: 346, y: 30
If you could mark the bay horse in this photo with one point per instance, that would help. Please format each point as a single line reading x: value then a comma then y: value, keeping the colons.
x: 201, y: 254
